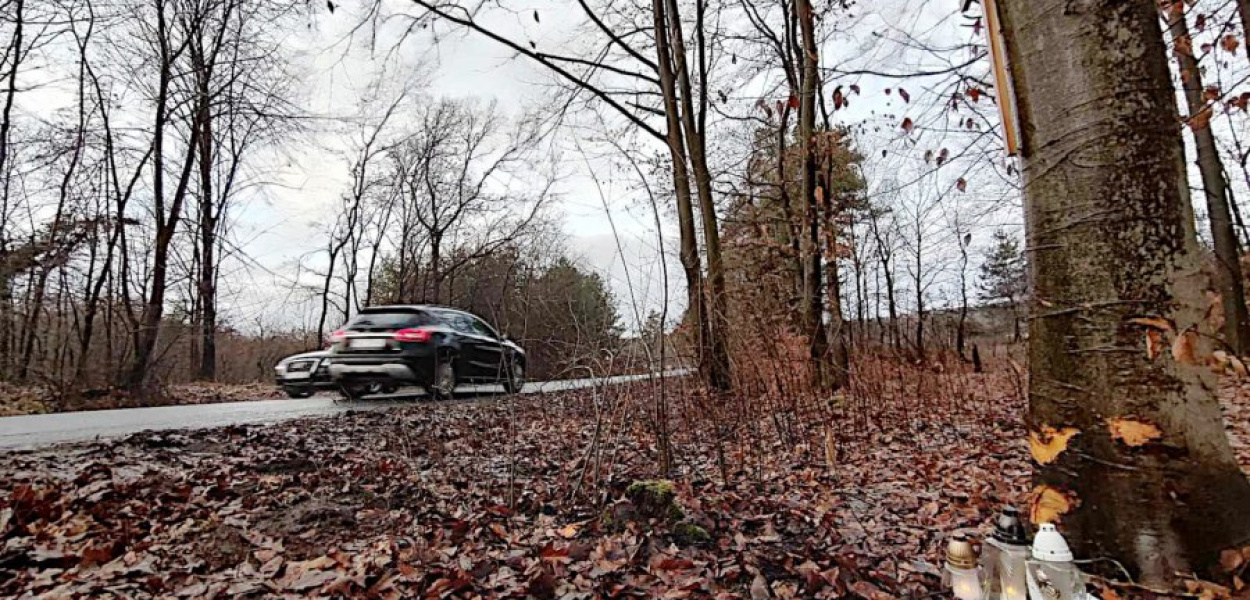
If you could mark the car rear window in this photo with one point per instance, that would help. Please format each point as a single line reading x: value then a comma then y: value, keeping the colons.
x: 388, y: 320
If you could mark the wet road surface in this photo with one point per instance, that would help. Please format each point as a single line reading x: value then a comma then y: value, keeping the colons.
x: 30, y: 431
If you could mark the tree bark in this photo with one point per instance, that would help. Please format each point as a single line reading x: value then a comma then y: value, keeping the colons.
x: 717, y: 315
x: 813, y: 306
x: 839, y: 356
x: 208, y: 233
x: 690, y: 262
x: 1214, y: 187
x: 1112, y: 236
x: 963, y: 294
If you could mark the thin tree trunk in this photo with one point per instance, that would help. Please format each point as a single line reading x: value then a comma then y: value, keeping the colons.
x: 838, y: 331
x: 436, y: 275
x: 717, y: 315
x: 920, y: 351
x: 208, y: 238
x: 1243, y: 8
x: 813, y: 306
x: 148, y: 327
x: 890, y: 303
x: 10, y: 92
x: 963, y: 295
x: 690, y: 261
x: 1149, y: 478
x: 1214, y: 186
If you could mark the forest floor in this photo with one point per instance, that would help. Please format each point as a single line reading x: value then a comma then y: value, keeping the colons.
x: 520, y: 498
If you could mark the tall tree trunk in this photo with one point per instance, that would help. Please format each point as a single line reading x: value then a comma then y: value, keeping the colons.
x: 963, y: 294
x: 10, y: 92
x: 813, y: 306
x: 335, y: 248
x: 891, y: 303
x: 919, y: 281
x: 1112, y: 235
x: 1214, y: 187
x: 208, y: 237
x: 838, y: 331
x: 717, y: 315
x: 690, y: 262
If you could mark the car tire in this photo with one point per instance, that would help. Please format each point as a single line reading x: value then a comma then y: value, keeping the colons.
x: 355, y: 392
x: 514, y: 380
x: 299, y: 393
x: 444, y: 384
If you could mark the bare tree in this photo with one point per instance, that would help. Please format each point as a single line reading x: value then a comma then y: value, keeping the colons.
x: 451, y: 170
x: 1214, y: 185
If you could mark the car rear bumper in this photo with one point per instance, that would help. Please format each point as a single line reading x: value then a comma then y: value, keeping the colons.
x: 396, y: 371
x: 318, y: 383
x: 379, y: 370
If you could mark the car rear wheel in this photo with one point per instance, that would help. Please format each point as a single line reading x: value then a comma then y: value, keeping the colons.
x: 444, y: 383
x: 515, y: 379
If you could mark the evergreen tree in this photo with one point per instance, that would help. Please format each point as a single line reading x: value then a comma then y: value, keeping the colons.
x: 1003, y: 279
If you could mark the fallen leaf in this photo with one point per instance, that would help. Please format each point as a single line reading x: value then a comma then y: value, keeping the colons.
x: 1132, y: 432
x: 1049, y: 443
x: 759, y: 588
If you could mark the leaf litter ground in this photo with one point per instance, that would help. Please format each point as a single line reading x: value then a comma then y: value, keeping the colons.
x: 520, y: 497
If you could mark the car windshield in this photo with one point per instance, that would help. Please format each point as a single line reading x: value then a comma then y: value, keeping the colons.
x: 388, y: 320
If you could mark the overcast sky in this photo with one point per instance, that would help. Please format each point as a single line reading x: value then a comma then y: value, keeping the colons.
x: 280, y: 226
x: 286, y: 225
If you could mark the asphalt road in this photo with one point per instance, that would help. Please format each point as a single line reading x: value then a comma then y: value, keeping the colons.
x: 31, y: 431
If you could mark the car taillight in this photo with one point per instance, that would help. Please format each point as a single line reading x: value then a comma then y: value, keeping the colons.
x: 338, y: 336
x: 412, y: 335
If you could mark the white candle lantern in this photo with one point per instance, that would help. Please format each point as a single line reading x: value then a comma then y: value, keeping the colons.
x: 1051, y: 574
x: 1003, y: 561
x: 962, y: 572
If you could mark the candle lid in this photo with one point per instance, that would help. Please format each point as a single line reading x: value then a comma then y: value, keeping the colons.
x: 1050, y: 546
x: 1009, y: 529
x: 960, y: 553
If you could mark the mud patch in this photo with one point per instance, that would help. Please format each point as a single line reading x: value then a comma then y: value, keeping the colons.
x: 311, y: 527
x: 223, y: 546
